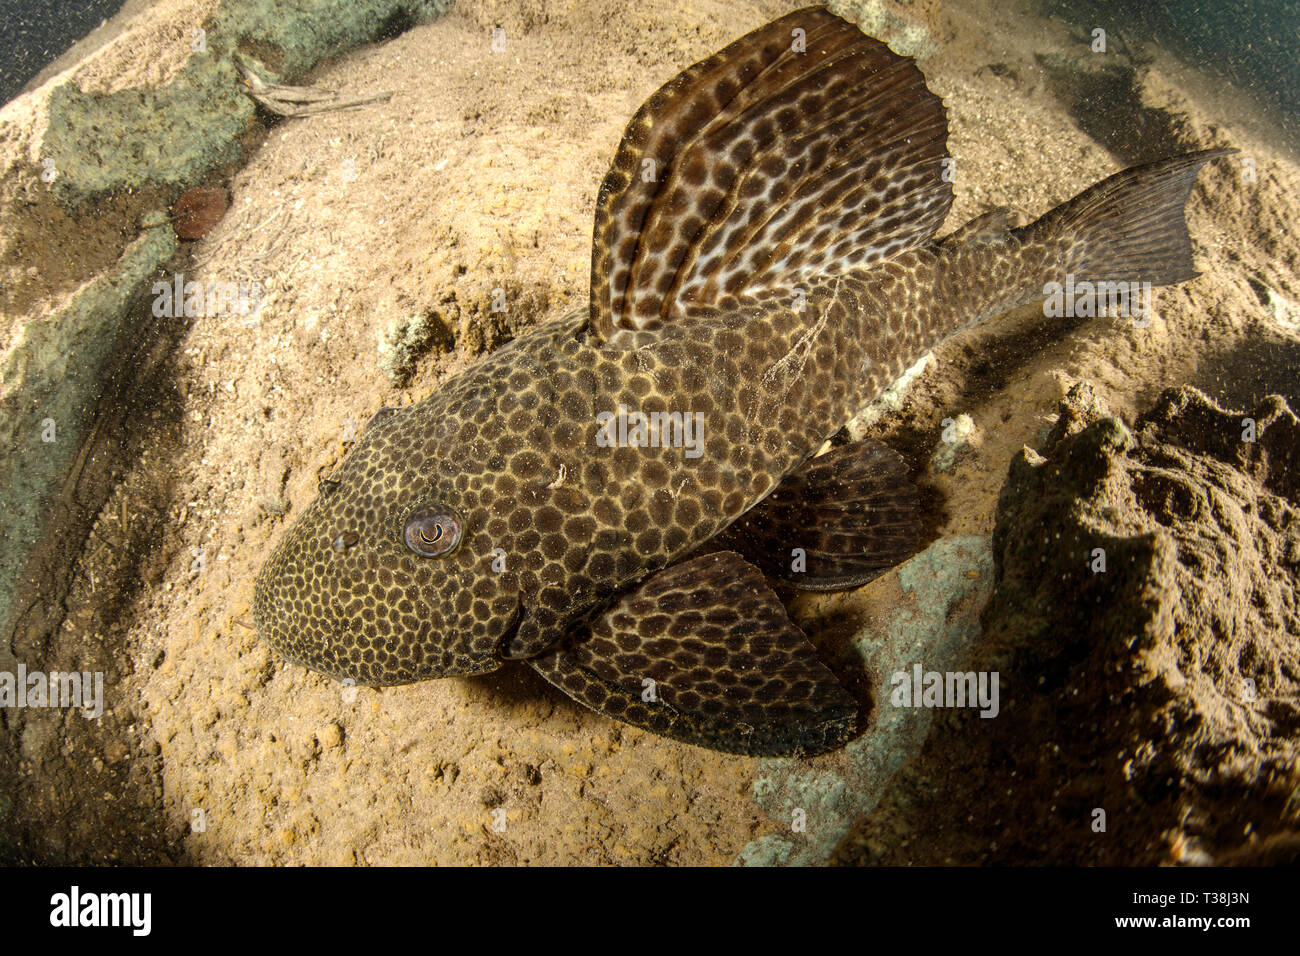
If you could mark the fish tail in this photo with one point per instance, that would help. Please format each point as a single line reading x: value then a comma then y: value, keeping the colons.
x: 1131, y: 226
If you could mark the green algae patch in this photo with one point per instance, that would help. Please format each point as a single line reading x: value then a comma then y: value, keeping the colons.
x: 910, y: 29
x: 169, y: 137
x: 299, y: 35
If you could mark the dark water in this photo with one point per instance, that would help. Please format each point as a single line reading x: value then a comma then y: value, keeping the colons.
x: 34, y: 33
x: 1254, y: 44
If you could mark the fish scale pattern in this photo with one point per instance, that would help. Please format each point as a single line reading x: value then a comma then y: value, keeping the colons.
x: 554, y: 523
x: 775, y: 272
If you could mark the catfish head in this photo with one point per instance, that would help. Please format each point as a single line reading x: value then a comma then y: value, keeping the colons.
x: 391, y: 575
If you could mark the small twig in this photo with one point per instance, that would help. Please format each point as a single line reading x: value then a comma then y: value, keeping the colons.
x: 284, y: 100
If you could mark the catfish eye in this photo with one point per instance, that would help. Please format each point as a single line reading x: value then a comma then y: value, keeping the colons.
x: 431, y: 532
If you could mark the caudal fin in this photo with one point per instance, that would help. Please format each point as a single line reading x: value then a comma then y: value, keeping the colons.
x: 1131, y: 226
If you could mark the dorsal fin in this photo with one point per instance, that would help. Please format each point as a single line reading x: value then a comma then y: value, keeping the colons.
x: 804, y: 147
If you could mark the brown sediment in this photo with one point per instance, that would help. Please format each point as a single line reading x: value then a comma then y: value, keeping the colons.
x: 196, y: 211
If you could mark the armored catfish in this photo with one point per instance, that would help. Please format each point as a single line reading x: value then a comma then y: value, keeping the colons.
x: 606, y: 498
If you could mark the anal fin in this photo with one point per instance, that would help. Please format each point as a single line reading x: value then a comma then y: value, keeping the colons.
x: 705, y: 653
x: 841, y: 520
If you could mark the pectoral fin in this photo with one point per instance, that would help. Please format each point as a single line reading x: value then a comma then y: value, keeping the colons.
x: 704, y: 652
x: 841, y: 520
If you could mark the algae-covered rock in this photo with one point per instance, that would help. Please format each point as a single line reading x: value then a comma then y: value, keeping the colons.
x: 76, y: 152
x: 298, y: 35
x: 935, y: 627
x: 1149, y: 580
x: 909, y: 27
x: 172, y: 136
x: 48, y: 381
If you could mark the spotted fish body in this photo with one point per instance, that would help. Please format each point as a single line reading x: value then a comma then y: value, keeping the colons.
x: 763, y: 266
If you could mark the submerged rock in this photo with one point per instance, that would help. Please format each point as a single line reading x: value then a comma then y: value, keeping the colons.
x: 1146, y: 627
